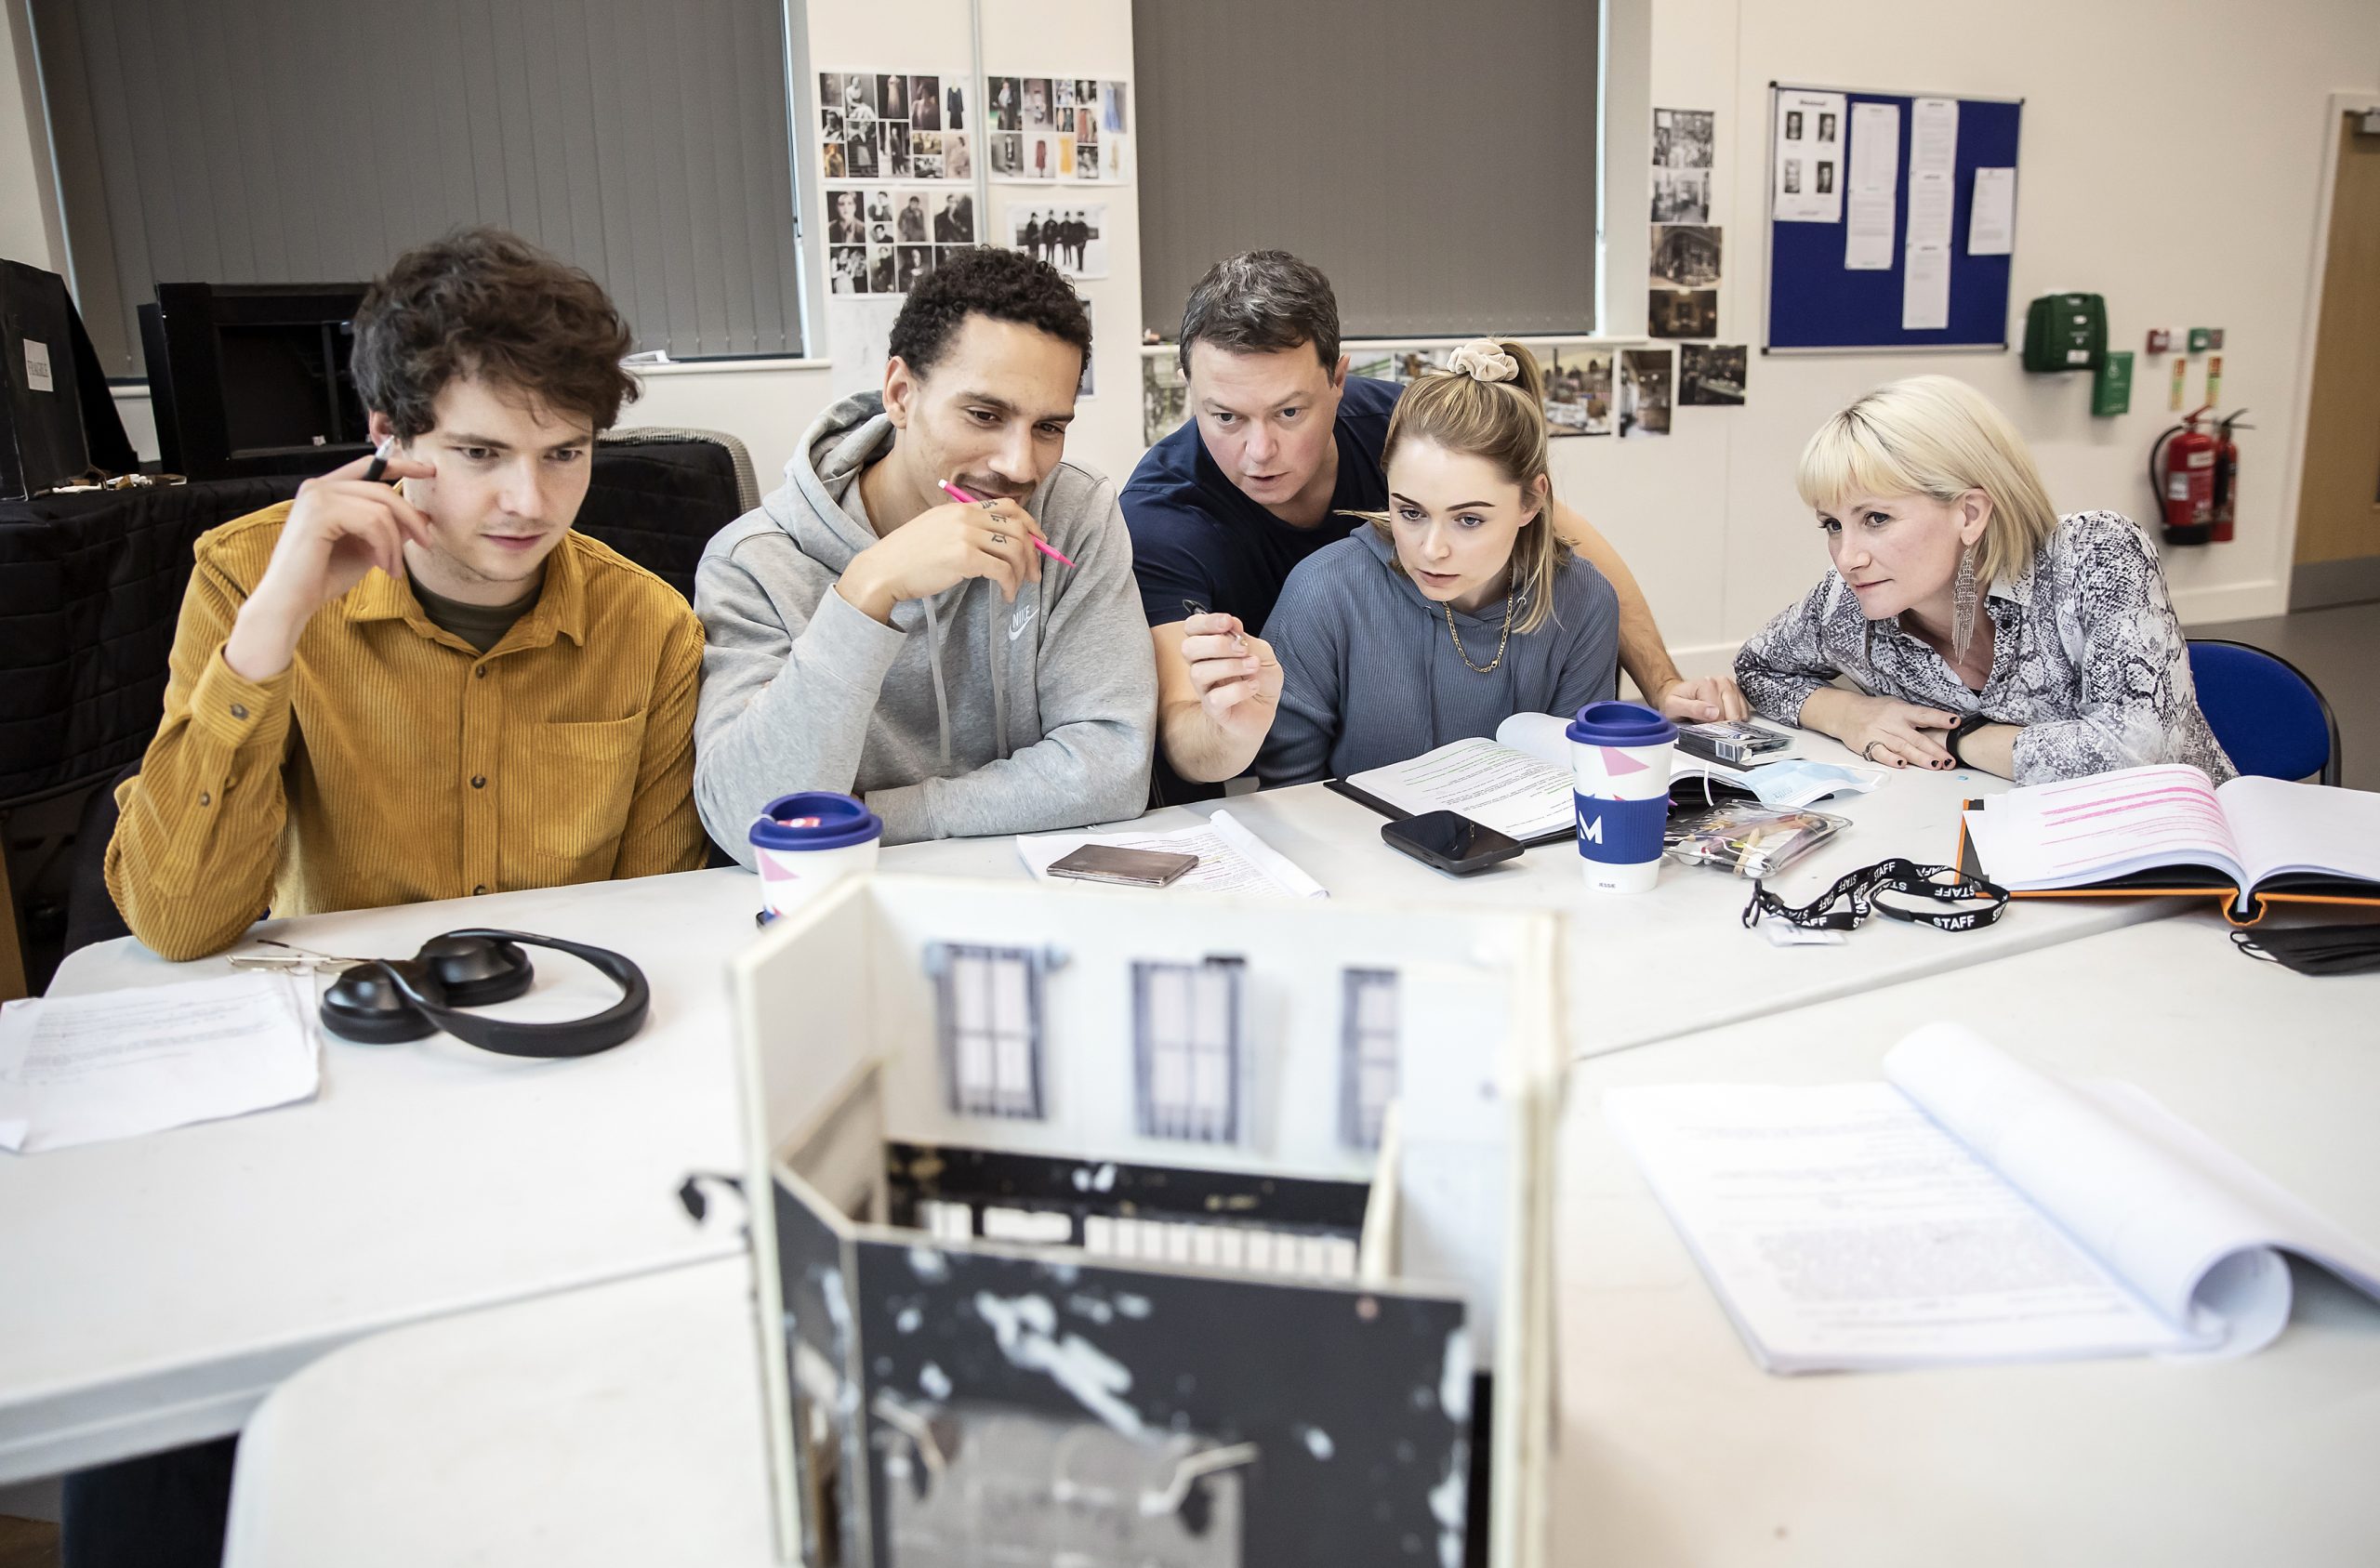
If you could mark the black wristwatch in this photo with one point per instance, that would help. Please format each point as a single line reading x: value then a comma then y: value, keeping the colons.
x: 1966, y: 727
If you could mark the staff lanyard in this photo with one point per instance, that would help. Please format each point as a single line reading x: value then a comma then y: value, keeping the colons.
x: 1864, y: 889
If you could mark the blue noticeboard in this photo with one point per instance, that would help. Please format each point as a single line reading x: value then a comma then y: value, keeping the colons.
x: 1815, y: 303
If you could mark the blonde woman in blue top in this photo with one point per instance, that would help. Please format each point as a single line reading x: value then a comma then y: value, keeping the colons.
x: 1454, y: 608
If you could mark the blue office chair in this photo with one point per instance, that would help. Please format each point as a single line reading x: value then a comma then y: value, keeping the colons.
x: 2263, y: 711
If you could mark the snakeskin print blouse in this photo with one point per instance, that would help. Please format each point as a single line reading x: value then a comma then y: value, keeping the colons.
x: 2087, y: 657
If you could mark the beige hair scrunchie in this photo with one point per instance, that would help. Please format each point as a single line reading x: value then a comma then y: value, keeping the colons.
x: 1483, y: 360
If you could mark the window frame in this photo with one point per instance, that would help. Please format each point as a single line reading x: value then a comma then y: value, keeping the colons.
x: 994, y: 1100
x: 1190, y: 1121
x: 1361, y: 1063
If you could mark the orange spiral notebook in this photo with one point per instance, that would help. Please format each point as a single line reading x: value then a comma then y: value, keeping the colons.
x: 2166, y: 832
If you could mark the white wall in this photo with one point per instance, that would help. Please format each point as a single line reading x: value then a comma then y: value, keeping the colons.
x: 26, y: 233
x: 2118, y: 100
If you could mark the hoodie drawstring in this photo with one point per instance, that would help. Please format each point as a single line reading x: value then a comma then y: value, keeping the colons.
x: 941, y: 696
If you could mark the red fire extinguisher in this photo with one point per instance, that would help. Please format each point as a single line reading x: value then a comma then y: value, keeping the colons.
x: 2184, y: 482
x: 2227, y: 475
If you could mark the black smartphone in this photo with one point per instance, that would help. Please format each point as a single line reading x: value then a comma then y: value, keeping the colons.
x: 1450, y: 841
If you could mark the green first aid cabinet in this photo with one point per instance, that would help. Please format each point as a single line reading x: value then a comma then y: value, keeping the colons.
x: 2066, y: 332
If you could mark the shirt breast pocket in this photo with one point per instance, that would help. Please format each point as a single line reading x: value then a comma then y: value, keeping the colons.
x: 580, y: 779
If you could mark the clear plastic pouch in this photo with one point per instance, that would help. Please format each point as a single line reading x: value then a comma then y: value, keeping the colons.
x: 1751, y: 841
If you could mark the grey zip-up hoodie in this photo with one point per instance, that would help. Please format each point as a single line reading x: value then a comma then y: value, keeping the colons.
x: 967, y: 716
x: 1371, y: 674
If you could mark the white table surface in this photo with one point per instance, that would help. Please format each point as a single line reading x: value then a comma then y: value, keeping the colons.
x: 1674, y: 1449
x: 619, y: 1424
x: 1678, y: 1450
x: 1647, y: 966
x: 158, y: 1286
x: 180, y: 1276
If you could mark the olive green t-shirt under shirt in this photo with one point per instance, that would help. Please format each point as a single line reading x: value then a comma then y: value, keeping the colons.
x: 481, y: 625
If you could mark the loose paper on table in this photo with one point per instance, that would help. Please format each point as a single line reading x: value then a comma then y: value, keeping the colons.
x: 1971, y: 1208
x: 1875, y: 180
x: 1230, y: 859
x: 1493, y: 784
x: 86, y: 1068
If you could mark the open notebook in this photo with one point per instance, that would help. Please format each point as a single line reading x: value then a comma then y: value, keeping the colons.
x: 2166, y: 830
x: 1517, y: 783
x: 1971, y: 1208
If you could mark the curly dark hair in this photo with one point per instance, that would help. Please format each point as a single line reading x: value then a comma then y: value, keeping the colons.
x: 1006, y: 286
x: 483, y: 302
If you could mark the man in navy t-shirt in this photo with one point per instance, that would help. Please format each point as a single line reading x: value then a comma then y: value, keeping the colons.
x: 1282, y: 440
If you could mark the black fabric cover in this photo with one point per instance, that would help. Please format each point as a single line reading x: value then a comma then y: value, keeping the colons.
x: 91, y: 586
x: 658, y: 502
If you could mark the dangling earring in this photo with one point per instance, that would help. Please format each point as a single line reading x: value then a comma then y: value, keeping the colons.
x: 1962, y: 604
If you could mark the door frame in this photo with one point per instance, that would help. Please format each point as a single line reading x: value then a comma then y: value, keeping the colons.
x: 2310, y: 330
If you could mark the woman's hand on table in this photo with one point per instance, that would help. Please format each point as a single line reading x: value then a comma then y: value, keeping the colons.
x: 1889, y: 733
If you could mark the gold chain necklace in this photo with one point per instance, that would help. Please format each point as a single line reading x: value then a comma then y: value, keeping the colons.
x: 1482, y: 669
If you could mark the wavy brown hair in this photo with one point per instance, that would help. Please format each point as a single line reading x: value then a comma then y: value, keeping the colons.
x: 486, y: 304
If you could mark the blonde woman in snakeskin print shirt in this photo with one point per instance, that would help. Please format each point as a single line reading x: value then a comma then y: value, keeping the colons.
x: 1980, y: 628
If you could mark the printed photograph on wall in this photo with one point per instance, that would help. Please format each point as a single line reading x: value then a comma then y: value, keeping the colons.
x: 1684, y: 297
x: 1645, y: 392
x: 893, y: 126
x: 1681, y: 137
x: 1071, y: 238
x: 1681, y: 195
x: 882, y: 241
x: 1577, y: 391
x: 1165, y: 397
x: 1686, y: 255
x: 1711, y: 374
x: 1682, y: 313
x: 1070, y: 128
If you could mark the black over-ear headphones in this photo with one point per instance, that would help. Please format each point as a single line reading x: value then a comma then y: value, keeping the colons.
x: 381, y: 1001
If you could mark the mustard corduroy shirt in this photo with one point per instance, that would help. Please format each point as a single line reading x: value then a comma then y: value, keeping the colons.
x: 391, y: 764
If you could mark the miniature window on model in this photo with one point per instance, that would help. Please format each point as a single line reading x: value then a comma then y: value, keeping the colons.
x: 1367, y: 1079
x: 991, y: 1030
x: 1187, y: 1049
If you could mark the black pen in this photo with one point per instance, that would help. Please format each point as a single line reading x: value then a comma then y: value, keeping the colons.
x: 1195, y: 608
x: 379, y: 465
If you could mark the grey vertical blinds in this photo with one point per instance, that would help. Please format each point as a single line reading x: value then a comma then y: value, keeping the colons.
x: 314, y: 140
x: 1438, y: 159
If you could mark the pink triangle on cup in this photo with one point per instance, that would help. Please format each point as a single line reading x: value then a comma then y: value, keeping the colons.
x: 1617, y: 761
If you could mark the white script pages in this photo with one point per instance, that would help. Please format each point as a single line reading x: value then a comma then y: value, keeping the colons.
x: 1971, y: 1208
x: 121, y: 1063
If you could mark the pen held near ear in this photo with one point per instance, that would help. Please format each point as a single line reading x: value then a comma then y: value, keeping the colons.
x: 381, y: 454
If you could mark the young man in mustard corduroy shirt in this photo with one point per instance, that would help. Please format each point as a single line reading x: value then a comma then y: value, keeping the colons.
x: 384, y: 694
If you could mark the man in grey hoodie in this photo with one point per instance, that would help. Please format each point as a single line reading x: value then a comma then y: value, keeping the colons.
x: 864, y: 631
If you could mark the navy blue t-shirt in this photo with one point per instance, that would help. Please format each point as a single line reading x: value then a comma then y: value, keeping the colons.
x: 1198, y: 537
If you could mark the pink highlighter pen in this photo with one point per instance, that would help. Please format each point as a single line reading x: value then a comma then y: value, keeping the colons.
x: 958, y: 495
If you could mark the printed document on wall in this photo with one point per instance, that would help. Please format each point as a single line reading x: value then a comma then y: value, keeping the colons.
x: 1876, y: 180
x: 1925, y: 289
x: 1991, y: 222
x: 1932, y: 136
x: 1805, y: 186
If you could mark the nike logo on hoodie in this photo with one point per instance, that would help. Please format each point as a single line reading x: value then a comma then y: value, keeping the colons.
x: 1022, y: 619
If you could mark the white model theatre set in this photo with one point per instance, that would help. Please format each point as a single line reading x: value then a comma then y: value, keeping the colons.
x: 1125, y: 1231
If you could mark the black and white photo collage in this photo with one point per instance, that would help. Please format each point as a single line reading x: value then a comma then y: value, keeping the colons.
x: 897, y: 163
x: 1040, y: 129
